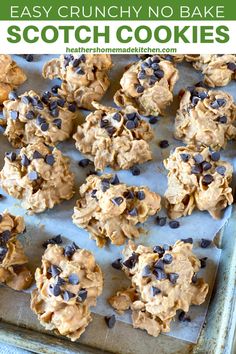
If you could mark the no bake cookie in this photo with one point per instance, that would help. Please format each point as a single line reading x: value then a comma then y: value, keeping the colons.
x: 163, y: 281
x: 84, y: 77
x: 147, y: 85
x: 13, y: 269
x: 39, y: 176
x: 197, y: 178
x: 68, y: 284
x: 108, y: 209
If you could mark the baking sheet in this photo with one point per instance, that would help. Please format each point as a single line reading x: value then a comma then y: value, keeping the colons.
x: 199, y: 225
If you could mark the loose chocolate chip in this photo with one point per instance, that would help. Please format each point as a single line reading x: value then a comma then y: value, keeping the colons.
x: 14, y: 115
x: 55, y: 88
x: 44, y: 127
x: 135, y: 171
x: 194, y: 278
x: 222, y: 119
x: 29, y: 57
x: 159, y: 264
x: 231, y: 66
x: 159, y: 274
x: 133, y: 212
x: 173, y: 277
x: 146, y: 272
x: 116, y: 116
x: 11, y: 156
x: 221, y: 170
x: 37, y: 155
x: 131, y: 261
x: 30, y: 115
x: 131, y: 116
x: 84, y: 163
x: 174, y: 224
x: 117, y: 264
x: 73, y: 279
x: 139, y: 88
x: 80, y: 71
x: 55, y: 270
x: 105, y: 185
x: 67, y: 295
x: 33, y: 176
x: 164, y: 144
x: 206, y: 166
x: 153, y: 120
x: 203, y: 262
x: 72, y: 107
x: 205, y: 243
x: 198, y: 158
x: 49, y: 159
x: 185, y: 157
x: 142, y: 75
x: 207, y: 179
x: 117, y: 201
x: 215, y: 156
x: 55, y: 290
x: 161, y: 221
x: 159, y: 250
x: 82, y: 295
x: 110, y: 321
x: 140, y: 195
x: 155, y: 291
x: 130, y: 124
x: 12, y: 96
x: 167, y: 258
x: 114, y: 180
x: 26, y: 99
x: 53, y: 241
x: 183, y: 317
x: 196, y: 169
x: 25, y: 161
x: 57, y: 122
x: 187, y: 240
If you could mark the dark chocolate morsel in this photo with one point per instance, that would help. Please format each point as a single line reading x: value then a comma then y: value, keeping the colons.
x: 205, y: 243
x: 174, y: 224
x: 73, y: 279
x: 117, y: 264
x: 167, y: 258
x: 82, y: 295
x: 110, y: 321
x: 187, y: 240
x: 131, y: 261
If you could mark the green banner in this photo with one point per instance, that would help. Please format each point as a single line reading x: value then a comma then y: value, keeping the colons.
x: 150, y: 10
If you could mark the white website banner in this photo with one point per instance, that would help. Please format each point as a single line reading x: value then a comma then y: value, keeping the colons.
x: 170, y: 37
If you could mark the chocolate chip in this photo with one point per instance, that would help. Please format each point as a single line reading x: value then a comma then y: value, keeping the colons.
x: 30, y: 115
x: 203, y: 262
x: 26, y: 99
x: 117, y: 201
x: 131, y: 116
x: 222, y: 119
x: 117, y: 264
x: 155, y: 291
x: 55, y: 290
x: 49, y: 159
x: 82, y: 295
x: 196, y: 169
x: 215, y: 156
x: 139, y: 88
x: 130, y: 124
x: 129, y: 195
x: 167, y: 258
x: 116, y: 116
x: 93, y: 193
x: 153, y: 120
x: 33, y: 175
x: 25, y: 161
x: 104, y: 123
x: 159, y: 250
x: 29, y: 57
x: 201, y: 84
x: 11, y: 156
x: 61, y: 102
x: 207, y: 179
x: 164, y: 144
x: 135, y: 170
x: 195, y: 100
x: 45, y: 96
x: 221, y: 170
x: 146, y: 272
x: 153, y: 79
x: 202, y: 95
x: 206, y: 166
x: 3, y: 252
x: 80, y: 71
x: 131, y: 261
x: 185, y: 157
x: 159, y: 74
x: 173, y: 277
x: 5, y: 236
x: 205, y: 243
x: 14, y: 115
x: 215, y: 104
x: 183, y: 318
x: 159, y: 274
x: 115, y: 180
x: 105, y: 185
x: 187, y: 240
x: 44, y: 127
x: 55, y: 112
x: 12, y: 96
x: 142, y: 75
x: 198, y: 158
x: 53, y: 241
x: 40, y: 120
x: 145, y: 65
x: 84, y: 163
x: 161, y: 221
x: 67, y: 295
x: 57, y: 122
x: 110, y: 130
x: 174, y: 224
x: 159, y: 264
x: 82, y: 58
x: 155, y: 66
x: 73, y: 279
x: 140, y: 195
x: 37, y: 155
x: 55, y: 270
x: 110, y: 321
x: 221, y: 102
x: 194, y: 278
x: 72, y: 107
x: 70, y: 249
x: 55, y: 88
x: 231, y: 66
x: 76, y: 62
x: 40, y: 105
x: 133, y: 212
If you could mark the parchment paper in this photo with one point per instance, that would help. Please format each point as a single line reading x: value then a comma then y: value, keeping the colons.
x: 58, y: 221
